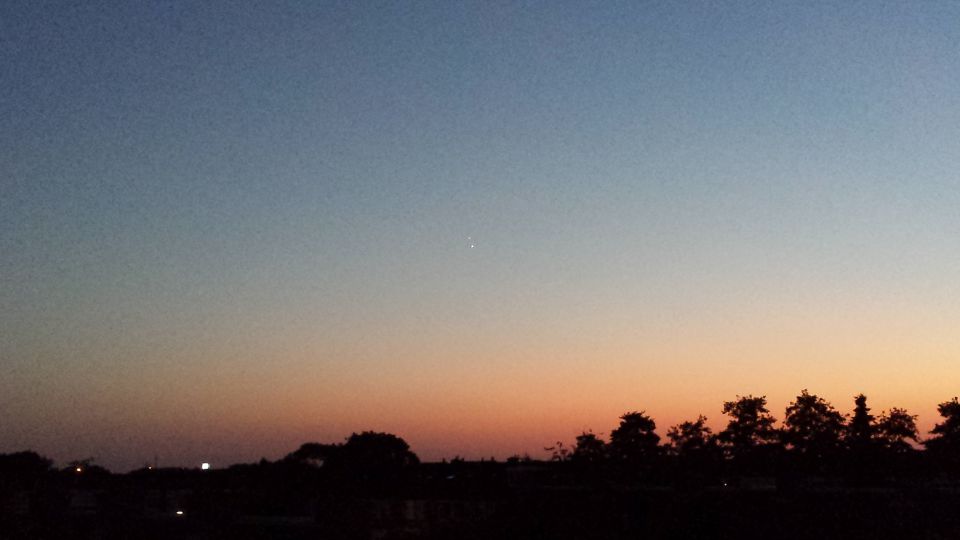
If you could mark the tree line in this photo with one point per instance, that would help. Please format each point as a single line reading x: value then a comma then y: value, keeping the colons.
x: 814, y: 438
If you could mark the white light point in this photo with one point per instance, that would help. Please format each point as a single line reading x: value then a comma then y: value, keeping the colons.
x: 205, y: 466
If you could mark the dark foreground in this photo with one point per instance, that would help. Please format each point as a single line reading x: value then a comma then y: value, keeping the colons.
x: 471, y: 501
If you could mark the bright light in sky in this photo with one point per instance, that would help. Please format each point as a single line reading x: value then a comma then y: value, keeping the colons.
x: 205, y: 466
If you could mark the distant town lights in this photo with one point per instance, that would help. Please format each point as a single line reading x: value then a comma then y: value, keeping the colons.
x: 79, y: 469
x: 205, y: 466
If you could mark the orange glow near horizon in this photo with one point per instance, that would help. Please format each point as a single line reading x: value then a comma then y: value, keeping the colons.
x: 475, y: 395
x: 294, y: 223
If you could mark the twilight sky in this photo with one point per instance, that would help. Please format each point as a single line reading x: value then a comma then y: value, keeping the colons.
x: 226, y: 230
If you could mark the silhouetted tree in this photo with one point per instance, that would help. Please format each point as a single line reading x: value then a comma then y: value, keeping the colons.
x: 895, y: 428
x: 371, y: 450
x: 21, y: 469
x: 862, y: 462
x: 697, y: 456
x: 635, y: 439
x: 812, y: 428
x: 944, y: 446
x: 750, y: 424
x: 367, y: 460
x: 313, y: 454
x: 750, y: 437
x: 948, y: 431
x: 860, y: 431
x: 690, y: 438
x: 589, y: 448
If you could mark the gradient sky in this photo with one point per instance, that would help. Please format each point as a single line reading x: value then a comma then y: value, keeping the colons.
x: 229, y: 229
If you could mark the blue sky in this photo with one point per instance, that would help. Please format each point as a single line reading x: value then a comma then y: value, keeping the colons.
x: 206, y: 207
